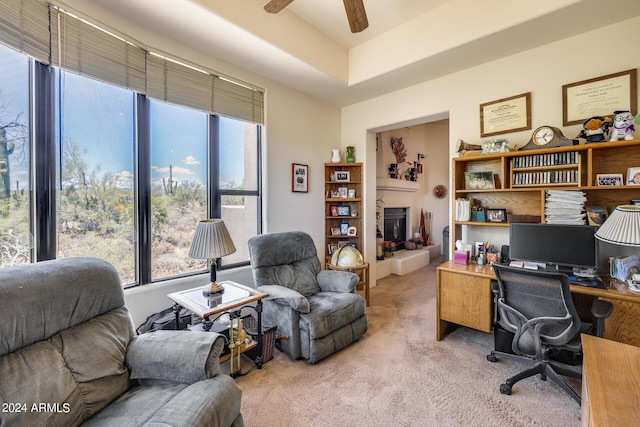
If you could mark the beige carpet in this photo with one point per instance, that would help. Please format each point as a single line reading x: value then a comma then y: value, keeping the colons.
x: 399, y: 375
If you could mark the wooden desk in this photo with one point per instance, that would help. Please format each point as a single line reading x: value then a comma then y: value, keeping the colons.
x: 610, y: 383
x: 463, y: 297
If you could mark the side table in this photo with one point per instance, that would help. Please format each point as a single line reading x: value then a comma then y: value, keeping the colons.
x: 363, y: 273
x: 231, y: 302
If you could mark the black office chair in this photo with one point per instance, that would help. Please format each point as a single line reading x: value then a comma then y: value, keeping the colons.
x: 536, y: 307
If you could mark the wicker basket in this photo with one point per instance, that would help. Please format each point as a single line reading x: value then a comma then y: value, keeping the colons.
x: 268, y: 337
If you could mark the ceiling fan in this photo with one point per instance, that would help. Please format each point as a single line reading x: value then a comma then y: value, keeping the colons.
x: 355, y: 12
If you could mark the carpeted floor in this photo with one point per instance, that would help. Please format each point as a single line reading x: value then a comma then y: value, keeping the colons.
x: 399, y: 375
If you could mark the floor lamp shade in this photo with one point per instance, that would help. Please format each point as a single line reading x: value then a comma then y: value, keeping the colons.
x: 622, y: 227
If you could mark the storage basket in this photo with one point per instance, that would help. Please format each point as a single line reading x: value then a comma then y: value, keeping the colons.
x: 268, y: 337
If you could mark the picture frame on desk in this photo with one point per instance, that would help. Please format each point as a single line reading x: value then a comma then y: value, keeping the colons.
x: 344, y: 210
x: 633, y: 176
x: 596, y: 215
x: 332, y: 247
x: 609, y: 179
x: 496, y: 215
x: 343, y: 176
x: 479, y: 181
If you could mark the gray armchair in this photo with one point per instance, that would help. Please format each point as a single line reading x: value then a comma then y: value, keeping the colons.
x: 67, y: 341
x: 317, y: 310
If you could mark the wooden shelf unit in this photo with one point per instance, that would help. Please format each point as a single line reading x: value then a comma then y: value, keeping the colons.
x: 355, y: 205
x: 588, y: 161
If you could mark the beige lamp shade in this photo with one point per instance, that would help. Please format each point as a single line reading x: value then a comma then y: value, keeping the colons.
x: 622, y: 227
x: 211, y: 240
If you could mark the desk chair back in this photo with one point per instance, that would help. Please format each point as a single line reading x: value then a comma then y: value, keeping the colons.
x: 537, y: 307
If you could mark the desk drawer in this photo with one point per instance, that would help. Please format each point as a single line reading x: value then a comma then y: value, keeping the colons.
x: 466, y: 300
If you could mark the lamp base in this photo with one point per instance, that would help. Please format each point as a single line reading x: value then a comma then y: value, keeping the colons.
x: 212, y: 289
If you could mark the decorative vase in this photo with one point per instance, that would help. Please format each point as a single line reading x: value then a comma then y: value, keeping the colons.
x: 335, y: 157
x: 351, y: 154
x: 419, y: 245
x: 388, y: 254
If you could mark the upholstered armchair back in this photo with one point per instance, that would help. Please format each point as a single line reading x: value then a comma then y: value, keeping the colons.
x: 60, y: 343
x: 287, y: 259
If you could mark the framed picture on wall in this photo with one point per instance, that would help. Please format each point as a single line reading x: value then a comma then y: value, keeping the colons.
x: 299, y: 178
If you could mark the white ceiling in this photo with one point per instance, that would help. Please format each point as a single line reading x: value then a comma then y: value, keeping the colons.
x: 309, y: 47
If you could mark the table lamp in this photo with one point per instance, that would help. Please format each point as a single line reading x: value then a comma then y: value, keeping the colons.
x: 622, y: 227
x: 211, y: 241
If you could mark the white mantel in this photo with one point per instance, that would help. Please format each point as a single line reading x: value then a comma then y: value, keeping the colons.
x: 390, y: 184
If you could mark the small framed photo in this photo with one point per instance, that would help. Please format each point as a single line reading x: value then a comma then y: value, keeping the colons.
x: 633, y: 176
x: 343, y: 176
x: 299, y: 178
x: 351, y: 231
x: 333, y: 210
x: 479, y: 181
x: 344, y: 228
x: 609, y: 179
x: 635, y: 202
x: 344, y: 210
x: 335, y: 194
x: 342, y: 192
x: 596, y: 215
x: 332, y: 247
x: 352, y: 193
x: 496, y: 215
x: 335, y: 232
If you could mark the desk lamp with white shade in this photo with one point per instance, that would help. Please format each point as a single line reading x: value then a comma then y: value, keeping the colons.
x: 622, y: 228
x: 211, y: 241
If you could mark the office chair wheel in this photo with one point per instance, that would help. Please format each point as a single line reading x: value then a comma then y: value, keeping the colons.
x: 492, y: 358
x: 505, y: 389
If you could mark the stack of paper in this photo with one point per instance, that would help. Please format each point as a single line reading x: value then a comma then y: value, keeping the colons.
x: 564, y: 207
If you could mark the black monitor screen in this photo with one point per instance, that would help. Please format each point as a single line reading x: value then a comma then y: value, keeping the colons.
x: 555, y: 244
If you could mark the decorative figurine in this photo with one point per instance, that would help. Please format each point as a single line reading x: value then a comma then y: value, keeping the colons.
x: 622, y: 126
x: 595, y: 129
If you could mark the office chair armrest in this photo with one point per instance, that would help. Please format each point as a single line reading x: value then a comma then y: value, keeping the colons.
x: 600, y: 310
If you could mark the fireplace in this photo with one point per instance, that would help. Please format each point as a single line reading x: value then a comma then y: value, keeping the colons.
x: 395, y: 226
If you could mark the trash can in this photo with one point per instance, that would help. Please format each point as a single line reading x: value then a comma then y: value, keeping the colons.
x: 445, y: 244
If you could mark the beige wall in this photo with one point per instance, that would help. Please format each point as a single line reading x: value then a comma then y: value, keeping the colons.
x: 541, y: 71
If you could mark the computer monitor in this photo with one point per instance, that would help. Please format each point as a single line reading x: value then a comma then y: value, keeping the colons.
x: 558, y: 246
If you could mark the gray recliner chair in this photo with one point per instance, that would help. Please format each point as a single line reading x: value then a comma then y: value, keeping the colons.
x: 69, y: 356
x: 317, y: 310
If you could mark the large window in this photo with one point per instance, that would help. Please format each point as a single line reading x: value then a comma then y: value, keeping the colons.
x: 239, y: 183
x: 98, y: 169
x: 108, y: 149
x: 15, y: 183
x: 178, y: 186
x: 95, y: 200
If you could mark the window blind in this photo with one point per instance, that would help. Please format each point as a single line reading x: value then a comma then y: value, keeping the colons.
x: 78, y: 46
x: 172, y: 81
x: 24, y: 26
x: 65, y: 40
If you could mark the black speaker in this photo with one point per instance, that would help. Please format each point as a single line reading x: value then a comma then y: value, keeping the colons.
x: 504, y: 254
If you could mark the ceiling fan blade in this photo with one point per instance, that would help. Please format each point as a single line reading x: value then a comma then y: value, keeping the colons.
x: 275, y: 6
x: 356, y: 15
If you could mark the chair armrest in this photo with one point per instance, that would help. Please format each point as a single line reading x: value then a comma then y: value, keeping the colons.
x: 600, y: 310
x: 337, y: 281
x: 287, y: 296
x: 175, y: 356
